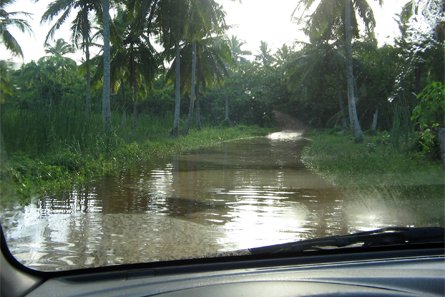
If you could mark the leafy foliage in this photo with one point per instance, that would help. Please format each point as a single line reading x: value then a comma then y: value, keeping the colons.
x: 429, y: 115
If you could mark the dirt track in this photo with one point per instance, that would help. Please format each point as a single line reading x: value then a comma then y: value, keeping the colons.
x: 288, y: 122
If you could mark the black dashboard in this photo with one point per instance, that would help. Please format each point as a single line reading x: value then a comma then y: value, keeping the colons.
x: 405, y: 273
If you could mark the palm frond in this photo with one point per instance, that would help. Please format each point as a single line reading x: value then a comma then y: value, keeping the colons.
x: 55, y: 8
x: 364, y: 10
x: 20, y: 24
x: 57, y: 25
x: 11, y: 43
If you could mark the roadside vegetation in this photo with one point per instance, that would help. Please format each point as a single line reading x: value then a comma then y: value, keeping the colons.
x: 376, y: 174
x: 374, y: 162
x: 25, y: 175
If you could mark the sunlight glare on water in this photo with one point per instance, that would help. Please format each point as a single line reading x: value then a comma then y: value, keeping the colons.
x: 285, y: 135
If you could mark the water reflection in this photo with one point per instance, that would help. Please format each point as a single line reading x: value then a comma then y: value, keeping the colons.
x: 237, y: 195
x: 285, y: 136
x: 260, y: 216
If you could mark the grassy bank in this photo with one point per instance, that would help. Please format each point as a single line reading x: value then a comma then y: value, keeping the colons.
x: 27, y: 174
x: 373, y: 164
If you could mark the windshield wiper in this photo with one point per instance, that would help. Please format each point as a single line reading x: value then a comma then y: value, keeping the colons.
x: 376, y: 238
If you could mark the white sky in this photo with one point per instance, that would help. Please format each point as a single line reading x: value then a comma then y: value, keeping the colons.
x: 270, y: 20
x: 251, y: 20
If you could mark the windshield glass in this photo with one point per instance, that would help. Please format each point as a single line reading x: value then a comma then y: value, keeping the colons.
x: 144, y: 131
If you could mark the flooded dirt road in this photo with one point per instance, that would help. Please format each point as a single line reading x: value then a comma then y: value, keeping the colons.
x: 240, y: 194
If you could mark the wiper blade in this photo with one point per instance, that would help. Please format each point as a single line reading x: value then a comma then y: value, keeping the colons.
x: 379, y: 237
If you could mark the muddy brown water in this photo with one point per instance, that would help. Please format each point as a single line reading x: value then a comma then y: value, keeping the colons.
x: 237, y: 195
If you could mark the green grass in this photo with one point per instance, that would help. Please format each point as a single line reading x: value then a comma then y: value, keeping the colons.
x: 372, y: 162
x: 63, y: 162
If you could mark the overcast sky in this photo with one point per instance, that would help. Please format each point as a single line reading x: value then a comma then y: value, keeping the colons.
x: 251, y: 20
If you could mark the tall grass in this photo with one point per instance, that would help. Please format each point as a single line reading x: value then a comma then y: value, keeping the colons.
x: 52, y: 149
x: 41, y: 129
x: 374, y: 166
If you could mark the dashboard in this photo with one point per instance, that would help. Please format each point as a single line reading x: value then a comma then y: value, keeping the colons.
x: 405, y: 273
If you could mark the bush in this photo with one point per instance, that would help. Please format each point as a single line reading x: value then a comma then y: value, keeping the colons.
x: 429, y: 117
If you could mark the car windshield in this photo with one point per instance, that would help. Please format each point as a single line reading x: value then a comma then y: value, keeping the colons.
x: 145, y: 131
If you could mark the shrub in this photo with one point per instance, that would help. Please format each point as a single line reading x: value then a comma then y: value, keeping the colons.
x: 429, y: 117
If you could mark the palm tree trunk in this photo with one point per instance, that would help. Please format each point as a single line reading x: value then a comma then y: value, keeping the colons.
x: 198, y: 110
x: 175, y: 129
x: 3, y: 155
x: 124, y: 118
x: 134, y: 91
x: 122, y: 95
x: 88, y: 86
x: 417, y: 77
x: 441, y: 144
x: 106, y: 110
x: 344, y: 121
x: 353, y: 118
x: 192, y: 91
x: 134, y: 115
x: 135, y: 106
x: 86, y: 45
x: 374, y: 121
x: 226, y: 109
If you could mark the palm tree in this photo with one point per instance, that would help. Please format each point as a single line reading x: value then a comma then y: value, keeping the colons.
x: 353, y: 117
x: 204, y: 18
x: 184, y: 22
x: 57, y: 57
x: 312, y: 66
x: 60, y: 48
x: 238, y: 54
x: 196, y: 29
x: 81, y: 31
x: 282, y: 55
x: 192, y: 91
x: 213, y: 60
x: 171, y: 24
x: 133, y: 58
x: 106, y: 91
x: 337, y: 20
x: 264, y: 56
x: 10, y: 19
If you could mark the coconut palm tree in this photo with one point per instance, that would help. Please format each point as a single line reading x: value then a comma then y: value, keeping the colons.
x: 57, y: 57
x: 204, y: 18
x: 282, y: 55
x: 213, y: 61
x: 133, y: 58
x: 315, y: 65
x: 338, y: 20
x: 238, y: 54
x: 60, y: 48
x: 12, y: 19
x: 106, y: 89
x: 264, y: 56
x: 81, y: 28
x: 171, y: 20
